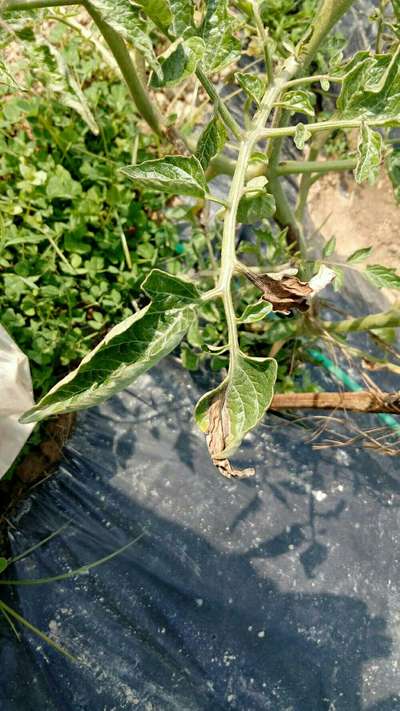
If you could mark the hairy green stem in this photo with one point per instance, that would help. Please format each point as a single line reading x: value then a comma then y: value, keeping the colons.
x: 121, y: 55
x: 228, y: 256
x: 294, y: 167
x: 34, y: 4
x: 327, y: 15
x: 264, y: 39
x: 223, y: 111
x: 332, y: 125
x: 384, y: 319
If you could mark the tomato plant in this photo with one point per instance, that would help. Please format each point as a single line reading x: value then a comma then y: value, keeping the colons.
x: 306, y: 91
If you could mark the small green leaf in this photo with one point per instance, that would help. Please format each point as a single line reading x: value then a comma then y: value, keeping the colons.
x: 255, y: 207
x: 243, y: 398
x: 255, y: 312
x: 329, y: 248
x: 339, y: 278
x: 176, y: 175
x: 252, y: 84
x: 128, y: 350
x: 182, y: 16
x: 211, y: 141
x: 159, y: 11
x: 3, y: 565
x: 190, y: 360
x: 125, y: 19
x: 369, y: 156
x: 217, y: 28
x: 383, y: 276
x: 298, y: 101
x: 325, y: 85
x: 359, y: 255
x: 301, y: 136
x: 180, y: 64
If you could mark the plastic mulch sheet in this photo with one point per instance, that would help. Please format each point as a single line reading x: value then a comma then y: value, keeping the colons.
x: 278, y: 592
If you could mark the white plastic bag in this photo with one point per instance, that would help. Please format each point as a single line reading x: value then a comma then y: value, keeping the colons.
x: 16, y: 396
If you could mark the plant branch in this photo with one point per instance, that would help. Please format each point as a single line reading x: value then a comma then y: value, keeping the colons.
x: 220, y: 107
x: 121, y: 55
x: 355, y: 402
x: 384, y: 319
x: 293, y: 167
x: 35, y: 4
x: 264, y: 39
x: 331, y: 125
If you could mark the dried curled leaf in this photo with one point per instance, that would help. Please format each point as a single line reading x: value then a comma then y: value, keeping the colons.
x: 216, y: 436
x: 286, y: 292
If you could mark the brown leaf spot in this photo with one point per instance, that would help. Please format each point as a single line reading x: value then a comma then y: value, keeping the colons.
x: 284, y: 293
x: 218, y: 431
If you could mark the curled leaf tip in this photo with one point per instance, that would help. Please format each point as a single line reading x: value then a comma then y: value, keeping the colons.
x: 218, y: 427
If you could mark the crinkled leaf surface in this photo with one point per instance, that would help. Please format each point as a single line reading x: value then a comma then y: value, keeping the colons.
x: 255, y: 312
x: 222, y: 47
x: 128, y: 350
x: 125, y: 19
x: 211, y: 141
x: 298, y: 100
x: 255, y: 207
x: 301, y: 136
x: 182, y: 17
x: 252, y: 84
x: 159, y: 11
x: 181, y: 63
x: 176, y: 175
x: 369, y: 155
x: 243, y: 397
x: 371, y: 89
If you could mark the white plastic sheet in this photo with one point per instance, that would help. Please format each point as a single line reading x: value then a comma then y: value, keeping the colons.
x: 16, y: 397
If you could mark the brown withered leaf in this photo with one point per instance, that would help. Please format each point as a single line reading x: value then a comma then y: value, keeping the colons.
x: 216, y: 439
x: 283, y: 292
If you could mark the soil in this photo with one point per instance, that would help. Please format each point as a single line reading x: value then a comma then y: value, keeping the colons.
x: 358, y: 216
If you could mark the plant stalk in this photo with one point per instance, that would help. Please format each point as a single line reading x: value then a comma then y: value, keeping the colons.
x: 384, y: 319
x: 34, y: 4
x: 121, y: 55
x: 355, y: 402
x: 223, y: 111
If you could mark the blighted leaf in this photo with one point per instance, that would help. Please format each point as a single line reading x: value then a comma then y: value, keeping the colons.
x: 217, y: 28
x: 211, y: 141
x: 125, y: 19
x: 371, y: 89
x: 321, y: 279
x: 298, y: 101
x: 180, y: 64
x: 301, y: 136
x: 3, y: 565
x: 369, y: 155
x: 383, y: 276
x: 255, y: 312
x: 129, y: 349
x: 252, y: 84
x: 283, y: 292
x: 176, y: 175
x: 232, y: 409
x: 255, y: 207
x: 359, y: 255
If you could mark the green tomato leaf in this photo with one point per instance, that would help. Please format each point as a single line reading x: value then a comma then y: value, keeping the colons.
x: 255, y: 207
x: 180, y: 64
x: 255, y: 312
x: 217, y: 29
x: 3, y: 565
x: 301, y: 136
x: 369, y: 155
x: 393, y: 166
x: 232, y: 409
x: 159, y: 11
x: 359, y: 255
x: 125, y: 19
x: 175, y: 175
x: 252, y: 84
x: 298, y: 101
x: 129, y: 349
x: 371, y: 89
x: 329, y: 248
x: 211, y: 141
x: 182, y: 16
x: 383, y: 276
